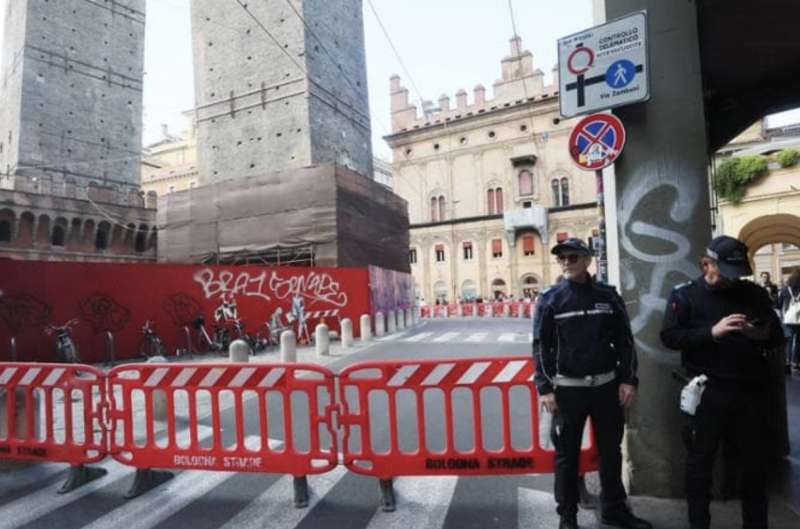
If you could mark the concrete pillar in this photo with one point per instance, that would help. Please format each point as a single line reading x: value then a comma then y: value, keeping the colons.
x: 380, y: 326
x: 347, y: 332
x: 239, y: 351
x: 662, y: 216
x: 391, y: 322
x: 401, y: 320
x: 322, y: 340
x: 288, y: 347
x: 366, y: 328
x: 159, y: 395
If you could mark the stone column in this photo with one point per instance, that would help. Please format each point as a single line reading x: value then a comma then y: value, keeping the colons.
x: 664, y: 225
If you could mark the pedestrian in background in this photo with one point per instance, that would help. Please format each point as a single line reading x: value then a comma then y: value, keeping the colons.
x: 769, y: 286
x: 789, y: 305
x: 724, y: 327
x: 585, y: 367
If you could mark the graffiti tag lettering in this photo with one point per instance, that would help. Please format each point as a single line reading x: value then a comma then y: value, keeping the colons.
x: 228, y: 283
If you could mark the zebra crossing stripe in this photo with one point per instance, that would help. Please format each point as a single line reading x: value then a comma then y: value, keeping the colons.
x: 477, y: 337
x: 274, y: 507
x: 44, y: 501
x: 424, y: 504
x: 419, y: 337
x: 185, y: 488
x: 507, y: 337
x: 446, y: 337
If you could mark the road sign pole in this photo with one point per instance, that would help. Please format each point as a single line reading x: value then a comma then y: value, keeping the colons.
x: 600, y: 246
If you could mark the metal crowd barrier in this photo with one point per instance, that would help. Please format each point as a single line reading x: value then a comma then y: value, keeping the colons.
x: 280, y: 418
x: 498, y: 431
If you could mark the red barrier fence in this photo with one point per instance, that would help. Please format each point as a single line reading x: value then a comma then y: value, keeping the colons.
x: 52, y: 412
x: 397, y: 418
x: 499, y: 438
x: 155, y: 397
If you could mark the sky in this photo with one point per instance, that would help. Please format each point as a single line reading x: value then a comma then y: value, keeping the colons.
x: 445, y: 45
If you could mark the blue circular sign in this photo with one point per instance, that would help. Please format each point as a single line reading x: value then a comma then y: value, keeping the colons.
x: 620, y: 74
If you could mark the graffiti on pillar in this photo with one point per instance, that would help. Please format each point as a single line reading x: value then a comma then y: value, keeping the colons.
x: 182, y: 308
x: 653, y: 216
x: 18, y: 310
x: 103, y: 313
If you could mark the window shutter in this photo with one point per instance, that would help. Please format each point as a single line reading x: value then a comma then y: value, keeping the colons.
x: 467, y: 244
x: 497, y: 246
x: 527, y: 244
x: 440, y: 247
x: 498, y: 195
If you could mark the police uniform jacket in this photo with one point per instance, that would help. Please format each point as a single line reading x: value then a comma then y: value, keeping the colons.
x: 694, y: 308
x: 582, y: 329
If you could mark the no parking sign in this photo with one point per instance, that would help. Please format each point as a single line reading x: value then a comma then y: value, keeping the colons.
x: 596, y: 141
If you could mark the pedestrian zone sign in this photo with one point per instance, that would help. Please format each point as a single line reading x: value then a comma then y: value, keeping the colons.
x: 604, y: 67
x: 596, y: 141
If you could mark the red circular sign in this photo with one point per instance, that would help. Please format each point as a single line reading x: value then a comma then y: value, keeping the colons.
x: 596, y: 141
x: 576, y: 53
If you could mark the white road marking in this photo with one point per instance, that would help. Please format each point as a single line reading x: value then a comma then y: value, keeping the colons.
x: 477, y: 337
x: 422, y: 503
x: 419, y: 337
x: 275, y: 508
x: 150, y: 509
x: 537, y: 510
x: 47, y: 500
x: 446, y: 337
x: 507, y: 337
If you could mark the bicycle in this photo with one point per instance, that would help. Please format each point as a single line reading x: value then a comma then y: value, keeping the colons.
x: 256, y: 343
x: 66, y: 350
x: 207, y: 344
x: 151, y: 343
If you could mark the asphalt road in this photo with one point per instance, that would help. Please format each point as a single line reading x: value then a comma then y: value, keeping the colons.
x: 200, y: 500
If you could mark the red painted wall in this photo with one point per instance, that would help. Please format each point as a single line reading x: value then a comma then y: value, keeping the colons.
x: 120, y: 297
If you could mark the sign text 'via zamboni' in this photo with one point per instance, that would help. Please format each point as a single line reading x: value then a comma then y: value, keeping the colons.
x: 604, y: 67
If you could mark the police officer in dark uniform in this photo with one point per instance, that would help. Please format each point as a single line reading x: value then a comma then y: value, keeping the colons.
x: 723, y: 327
x: 585, y: 367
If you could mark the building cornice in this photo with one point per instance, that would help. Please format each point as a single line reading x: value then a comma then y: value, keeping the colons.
x: 480, y: 218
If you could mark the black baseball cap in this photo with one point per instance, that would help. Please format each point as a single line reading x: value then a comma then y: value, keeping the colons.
x: 730, y: 255
x: 573, y: 243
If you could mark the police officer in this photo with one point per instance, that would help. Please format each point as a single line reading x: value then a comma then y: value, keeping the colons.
x: 723, y: 326
x: 585, y: 367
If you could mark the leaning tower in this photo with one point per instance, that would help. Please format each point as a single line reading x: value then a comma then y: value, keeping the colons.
x: 279, y: 85
x: 71, y: 97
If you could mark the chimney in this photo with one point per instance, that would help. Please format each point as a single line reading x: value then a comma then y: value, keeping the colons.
x: 480, y: 95
x: 444, y: 103
x: 399, y: 95
x: 461, y: 99
x: 516, y: 46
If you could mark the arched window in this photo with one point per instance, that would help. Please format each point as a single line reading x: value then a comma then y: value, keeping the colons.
x: 5, y: 231
x: 101, y: 238
x: 58, y: 236
x: 556, y: 187
x: 440, y: 291
x: 564, y: 192
x: 468, y: 290
x: 141, y: 241
x: 494, y: 201
x: 498, y: 289
x: 525, y: 183
x: 442, y: 215
x: 434, y: 209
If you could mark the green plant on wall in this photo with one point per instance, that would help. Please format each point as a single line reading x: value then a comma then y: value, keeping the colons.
x: 788, y: 157
x: 735, y: 174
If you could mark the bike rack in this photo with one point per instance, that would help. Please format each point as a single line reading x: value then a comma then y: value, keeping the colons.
x: 110, y: 348
x: 13, y: 349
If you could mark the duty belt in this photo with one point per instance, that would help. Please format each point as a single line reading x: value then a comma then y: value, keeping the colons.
x: 587, y: 381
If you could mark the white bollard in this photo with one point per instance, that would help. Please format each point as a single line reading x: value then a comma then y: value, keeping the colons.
x: 521, y: 311
x: 506, y: 310
x: 380, y: 326
x: 401, y: 321
x: 460, y: 310
x: 288, y: 347
x: 366, y: 328
x: 489, y: 308
x: 407, y: 314
x: 347, y: 332
x: 159, y: 395
x: 391, y: 322
x: 239, y: 351
x: 322, y: 340
x: 474, y: 310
